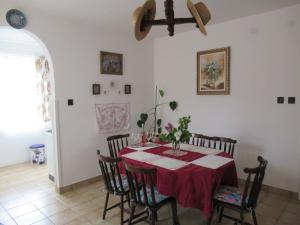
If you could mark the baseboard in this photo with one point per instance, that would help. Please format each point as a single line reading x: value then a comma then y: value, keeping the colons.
x: 83, y: 183
x: 274, y: 190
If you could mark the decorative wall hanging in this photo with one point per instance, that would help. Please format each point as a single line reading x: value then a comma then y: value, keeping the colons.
x: 16, y: 19
x: 127, y: 89
x: 143, y: 17
x: 96, y: 89
x: 213, y: 72
x: 43, y: 86
x: 113, y: 117
x: 111, y: 63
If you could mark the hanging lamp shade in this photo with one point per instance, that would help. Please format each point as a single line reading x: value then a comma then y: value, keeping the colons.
x: 143, y: 13
x: 201, y: 14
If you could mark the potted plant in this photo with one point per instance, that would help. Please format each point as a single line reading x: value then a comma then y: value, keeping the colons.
x: 177, y: 135
x: 155, y: 128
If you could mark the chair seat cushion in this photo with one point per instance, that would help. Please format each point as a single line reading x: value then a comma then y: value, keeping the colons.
x: 118, y: 188
x: 229, y: 194
x: 158, y: 196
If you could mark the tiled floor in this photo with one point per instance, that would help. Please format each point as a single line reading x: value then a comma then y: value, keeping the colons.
x: 28, y: 197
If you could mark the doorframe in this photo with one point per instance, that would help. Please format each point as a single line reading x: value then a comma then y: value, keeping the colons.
x: 55, y: 115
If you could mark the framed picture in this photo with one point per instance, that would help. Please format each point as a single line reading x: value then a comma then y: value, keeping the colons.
x: 111, y: 63
x: 213, y: 72
x: 96, y: 89
x: 127, y: 89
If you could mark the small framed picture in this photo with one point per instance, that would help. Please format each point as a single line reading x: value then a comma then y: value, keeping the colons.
x: 96, y: 89
x: 111, y: 63
x: 127, y: 89
x: 213, y: 68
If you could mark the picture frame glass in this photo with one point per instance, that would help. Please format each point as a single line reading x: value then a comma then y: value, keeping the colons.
x: 213, y: 72
x: 111, y: 63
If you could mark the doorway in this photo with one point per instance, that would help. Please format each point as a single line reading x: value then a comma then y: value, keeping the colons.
x: 28, y: 110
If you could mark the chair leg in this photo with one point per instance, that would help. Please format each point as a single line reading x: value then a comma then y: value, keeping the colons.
x: 242, y: 218
x: 254, y: 217
x: 131, y: 214
x: 105, y: 206
x: 122, y: 209
x: 128, y: 199
x: 174, y: 212
x: 211, y: 217
x: 153, y: 221
x: 221, y: 214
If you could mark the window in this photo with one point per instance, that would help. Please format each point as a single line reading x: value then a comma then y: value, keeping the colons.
x: 18, y: 94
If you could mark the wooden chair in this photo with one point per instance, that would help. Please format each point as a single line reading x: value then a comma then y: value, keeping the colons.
x: 115, y: 183
x: 224, y: 144
x: 145, y: 196
x: 245, y: 202
x: 116, y: 143
x: 199, y: 140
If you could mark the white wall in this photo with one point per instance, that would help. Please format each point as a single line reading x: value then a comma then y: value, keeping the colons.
x: 14, y: 148
x: 264, y: 64
x: 74, y: 48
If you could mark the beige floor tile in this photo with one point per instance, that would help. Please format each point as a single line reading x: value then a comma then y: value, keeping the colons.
x: 290, y: 218
x: 10, y: 222
x: 293, y: 207
x: 21, y: 210
x: 84, y: 208
x: 54, y: 208
x: 14, y: 203
x: 63, y: 217
x: 24, y: 185
x: 44, y: 222
x: 94, y: 217
x: 30, y: 218
x: 4, y: 216
x: 46, y: 200
x: 81, y: 221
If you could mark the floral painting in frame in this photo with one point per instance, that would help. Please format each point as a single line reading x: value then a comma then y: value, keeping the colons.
x: 213, y: 72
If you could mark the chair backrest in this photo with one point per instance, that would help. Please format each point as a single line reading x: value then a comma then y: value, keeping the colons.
x: 111, y: 173
x: 252, y: 189
x: 116, y: 143
x: 199, y: 140
x: 141, y: 184
x: 223, y: 144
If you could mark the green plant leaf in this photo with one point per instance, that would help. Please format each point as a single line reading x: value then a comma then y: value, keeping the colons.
x: 162, y: 93
x: 140, y: 123
x: 158, y: 122
x: 173, y: 105
x: 163, y: 137
x: 144, y: 117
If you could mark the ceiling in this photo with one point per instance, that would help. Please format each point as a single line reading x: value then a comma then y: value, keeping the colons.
x: 115, y: 15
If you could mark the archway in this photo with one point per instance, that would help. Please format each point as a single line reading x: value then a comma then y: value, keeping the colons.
x: 33, y: 42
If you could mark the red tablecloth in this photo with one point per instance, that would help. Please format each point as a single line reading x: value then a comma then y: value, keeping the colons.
x: 191, y: 185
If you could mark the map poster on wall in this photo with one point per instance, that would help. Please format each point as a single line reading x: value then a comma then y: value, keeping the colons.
x: 113, y: 117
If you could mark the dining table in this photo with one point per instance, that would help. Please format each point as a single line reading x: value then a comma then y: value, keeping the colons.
x: 190, y: 175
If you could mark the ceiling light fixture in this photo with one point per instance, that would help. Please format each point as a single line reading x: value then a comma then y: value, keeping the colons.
x: 143, y: 17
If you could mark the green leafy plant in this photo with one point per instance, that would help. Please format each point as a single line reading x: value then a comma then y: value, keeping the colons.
x: 179, y: 134
x: 157, y: 123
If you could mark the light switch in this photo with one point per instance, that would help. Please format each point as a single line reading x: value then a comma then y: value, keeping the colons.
x: 280, y: 100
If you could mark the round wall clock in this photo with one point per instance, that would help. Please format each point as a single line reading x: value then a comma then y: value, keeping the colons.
x: 16, y: 19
